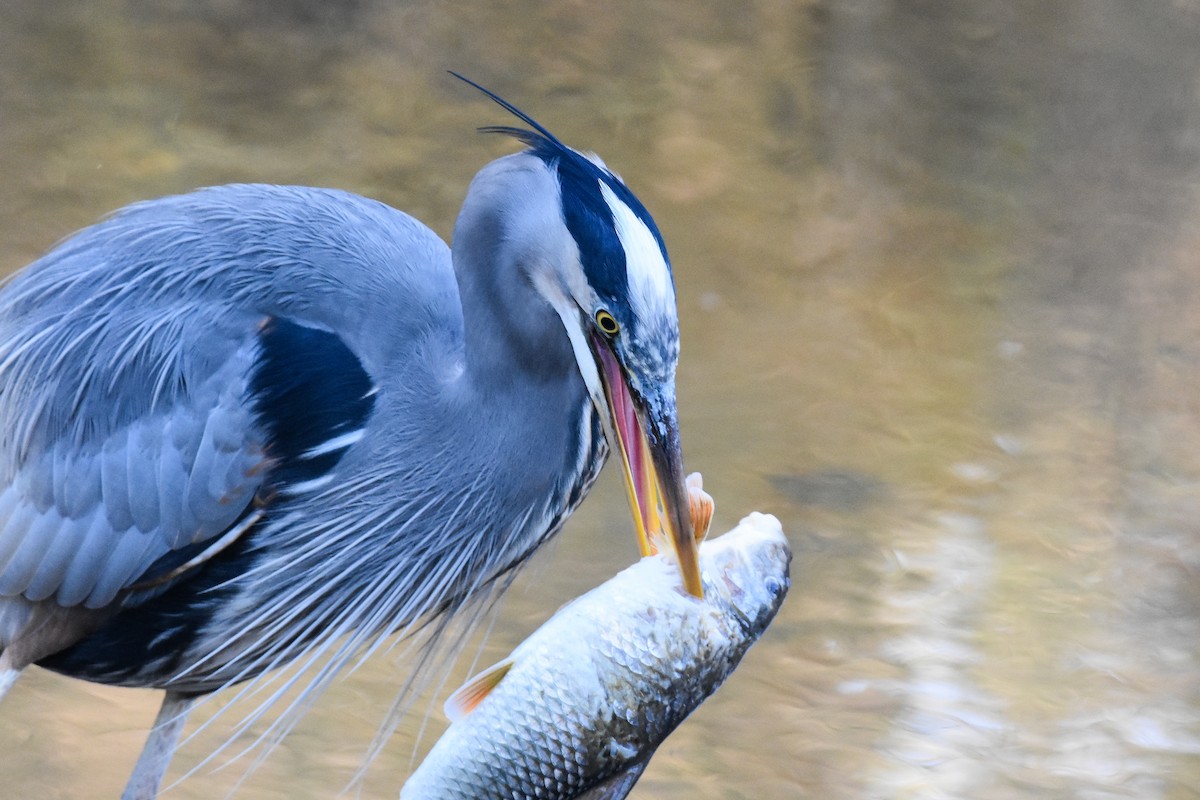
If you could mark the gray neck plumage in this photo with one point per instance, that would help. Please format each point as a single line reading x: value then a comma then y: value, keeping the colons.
x: 520, y: 366
x: 511, y: 226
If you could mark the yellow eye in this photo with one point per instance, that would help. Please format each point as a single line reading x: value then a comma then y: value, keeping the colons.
x: 607, y: 323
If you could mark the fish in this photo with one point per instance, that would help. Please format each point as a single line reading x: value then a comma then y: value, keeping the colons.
x: 579, y: 707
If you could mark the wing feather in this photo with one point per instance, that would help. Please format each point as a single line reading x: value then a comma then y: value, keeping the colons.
x: 10, y: 534
x: 81, y: 523
x: 34, y: 486
x: 78, y: 573
x: 83, y: 491
x: 65, y: 542
x: 210, y: 486
x: 13, y: 535
x: 122, y: 564
x: 38, y: 537
x: 114, y: 481
x: 171, y: 482
x: 143, y: 404
x: 141, y: 489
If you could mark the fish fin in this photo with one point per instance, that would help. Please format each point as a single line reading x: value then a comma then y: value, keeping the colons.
x: 471, y: 693
x: 700, y: 505
x: 618, y: 786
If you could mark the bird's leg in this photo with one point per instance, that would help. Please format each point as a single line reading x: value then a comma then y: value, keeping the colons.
x: 160, y: 746
x: 8, y: 674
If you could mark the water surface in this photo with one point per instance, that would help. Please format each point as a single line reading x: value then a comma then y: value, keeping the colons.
x: 940, y: 303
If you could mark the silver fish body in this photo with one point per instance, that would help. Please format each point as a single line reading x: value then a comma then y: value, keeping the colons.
x: 579, y: 707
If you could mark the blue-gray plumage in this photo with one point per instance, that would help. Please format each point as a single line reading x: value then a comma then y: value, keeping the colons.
x: 254, y: 423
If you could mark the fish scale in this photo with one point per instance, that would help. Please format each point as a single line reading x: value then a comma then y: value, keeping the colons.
x: 585, y: 700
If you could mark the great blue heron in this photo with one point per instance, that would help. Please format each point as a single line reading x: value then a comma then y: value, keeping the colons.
x: 242, y: 424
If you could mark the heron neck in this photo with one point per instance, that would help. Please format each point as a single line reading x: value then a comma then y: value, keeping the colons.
x: 513, y: 337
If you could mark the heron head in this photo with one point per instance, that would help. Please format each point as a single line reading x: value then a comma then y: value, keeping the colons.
x: 611, y: 285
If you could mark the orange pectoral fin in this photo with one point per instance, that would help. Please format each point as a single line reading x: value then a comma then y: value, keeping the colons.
x: 700, y: 506
x: 471, y: 694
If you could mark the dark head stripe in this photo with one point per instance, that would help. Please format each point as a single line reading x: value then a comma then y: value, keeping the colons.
x: 589, y: 218
x: 587, y: 214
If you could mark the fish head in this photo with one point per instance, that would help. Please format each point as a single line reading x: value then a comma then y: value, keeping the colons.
x: 745, y: 572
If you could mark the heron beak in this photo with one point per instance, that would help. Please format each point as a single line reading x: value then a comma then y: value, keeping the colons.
x: 647, y: 435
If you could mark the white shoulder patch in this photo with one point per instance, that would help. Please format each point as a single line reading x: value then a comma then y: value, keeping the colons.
x: 650, y: 289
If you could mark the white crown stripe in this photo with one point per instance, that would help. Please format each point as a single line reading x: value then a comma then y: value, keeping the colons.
x: 649, y: 276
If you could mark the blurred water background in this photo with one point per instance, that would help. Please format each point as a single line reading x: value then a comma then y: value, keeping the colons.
x: 938, y: 267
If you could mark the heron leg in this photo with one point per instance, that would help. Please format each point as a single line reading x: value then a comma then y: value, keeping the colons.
x: 9, y: 671
x: 152, y: 764
x: 8, y: 676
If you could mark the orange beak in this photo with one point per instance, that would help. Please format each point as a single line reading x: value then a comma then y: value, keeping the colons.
x: 647, y: 432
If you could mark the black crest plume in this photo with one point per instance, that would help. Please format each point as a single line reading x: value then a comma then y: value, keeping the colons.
x: 539, y: 138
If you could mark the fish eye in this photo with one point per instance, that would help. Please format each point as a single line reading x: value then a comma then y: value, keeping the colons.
x: 607, y: 323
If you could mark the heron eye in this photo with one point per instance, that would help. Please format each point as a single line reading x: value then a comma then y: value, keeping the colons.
x: 607, y: 323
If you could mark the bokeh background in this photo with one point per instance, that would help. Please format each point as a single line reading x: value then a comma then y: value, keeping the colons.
x: 938, y: 267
